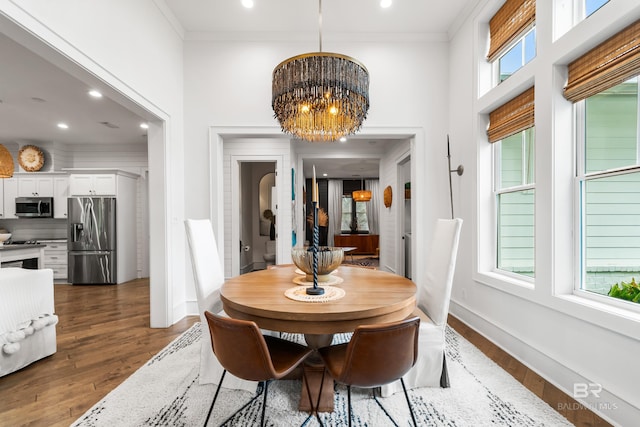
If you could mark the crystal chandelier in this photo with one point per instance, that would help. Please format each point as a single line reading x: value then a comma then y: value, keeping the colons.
x: 320, y: 96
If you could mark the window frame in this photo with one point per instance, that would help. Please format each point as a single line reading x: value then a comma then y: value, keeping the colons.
x: 495, y: 64
x: 497, y: 191
x: 354, y: 214
x: 581, y: 177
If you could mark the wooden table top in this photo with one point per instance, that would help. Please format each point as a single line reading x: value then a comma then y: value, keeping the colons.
x: 371, y: 296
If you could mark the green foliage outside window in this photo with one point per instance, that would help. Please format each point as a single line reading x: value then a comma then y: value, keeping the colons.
x: 626, y: 291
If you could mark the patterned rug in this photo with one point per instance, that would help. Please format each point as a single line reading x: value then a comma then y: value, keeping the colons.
x: 363, y: 262
x: 165, y: 392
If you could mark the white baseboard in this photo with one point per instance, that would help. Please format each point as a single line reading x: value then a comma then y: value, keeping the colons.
x: 610, y: 407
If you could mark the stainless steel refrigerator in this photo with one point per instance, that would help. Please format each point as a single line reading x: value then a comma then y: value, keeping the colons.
x: 91, y: 240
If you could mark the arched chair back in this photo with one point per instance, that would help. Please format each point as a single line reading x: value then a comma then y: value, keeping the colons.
x: 246, y: 353
x: 375, y: 356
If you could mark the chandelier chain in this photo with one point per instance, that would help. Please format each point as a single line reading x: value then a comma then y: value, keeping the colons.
x: 320, y: 25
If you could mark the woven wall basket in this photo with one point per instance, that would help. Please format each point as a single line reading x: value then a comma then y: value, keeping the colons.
x: 387, y: 196
x: 6, y: 163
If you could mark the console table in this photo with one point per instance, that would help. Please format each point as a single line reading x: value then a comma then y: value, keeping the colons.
x: 366, y: 244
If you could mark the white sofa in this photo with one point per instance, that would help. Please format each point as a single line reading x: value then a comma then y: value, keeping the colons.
x: 27, y: 317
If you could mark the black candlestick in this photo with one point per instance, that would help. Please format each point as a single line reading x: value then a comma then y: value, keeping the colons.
x: 315, y: 290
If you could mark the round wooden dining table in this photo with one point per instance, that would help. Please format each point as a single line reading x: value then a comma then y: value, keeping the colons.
x: 370, y: 297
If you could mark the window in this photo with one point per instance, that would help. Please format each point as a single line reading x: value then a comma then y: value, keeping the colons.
x: 513, y: 37
x: 609, y: 185
x: 590, y: 6
x: 515, y: 201
x: 511, y: 128
x: 603, y: 84
x: 521, y: 53
x: 354, y: 216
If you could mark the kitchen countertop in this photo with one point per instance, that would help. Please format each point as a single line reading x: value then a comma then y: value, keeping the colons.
x: 21, y: 246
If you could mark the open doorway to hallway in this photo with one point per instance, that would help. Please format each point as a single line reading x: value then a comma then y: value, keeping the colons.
x: 258, y: 215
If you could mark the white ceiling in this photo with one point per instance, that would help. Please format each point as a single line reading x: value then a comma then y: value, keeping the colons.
x: 338, y: 16
x: 25, y: 75
x: 36, y: 95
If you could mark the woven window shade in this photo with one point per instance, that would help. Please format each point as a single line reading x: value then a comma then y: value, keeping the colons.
x: 512, y: 117
x: 508, y: 23
x: 607, y: 65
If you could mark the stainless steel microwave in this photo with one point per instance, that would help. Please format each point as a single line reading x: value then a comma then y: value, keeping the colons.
x: 34, y: 207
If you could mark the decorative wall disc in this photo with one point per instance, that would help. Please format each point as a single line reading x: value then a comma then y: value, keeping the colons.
x: 388, y: 196
x: 31, y: 158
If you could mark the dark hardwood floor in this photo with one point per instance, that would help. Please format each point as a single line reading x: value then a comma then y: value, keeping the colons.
x: 104, y: 336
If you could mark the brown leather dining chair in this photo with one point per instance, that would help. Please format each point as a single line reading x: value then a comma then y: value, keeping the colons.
x: 245, y: 352
x: 375, y: 356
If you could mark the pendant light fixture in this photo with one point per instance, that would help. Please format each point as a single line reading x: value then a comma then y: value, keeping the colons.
x: 320, y: 96
x: 361, y: 195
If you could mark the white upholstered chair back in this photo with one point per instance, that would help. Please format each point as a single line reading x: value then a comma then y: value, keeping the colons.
x: 209, y: 277
x: 435, y: 293
x: 207, y: 271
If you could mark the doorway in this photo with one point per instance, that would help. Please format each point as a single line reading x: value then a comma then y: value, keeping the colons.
x: 244, y: 246
x: 258, y: 215
x: 405, y: 252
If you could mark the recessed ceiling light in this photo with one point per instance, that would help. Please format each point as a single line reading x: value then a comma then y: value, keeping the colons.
x: 144, y: 126
x: 63, y: 126
x: 385, y: 3
x: 324, y: 174
x: 343, y: 139
x: 94, y: 93
x: 247, y: 3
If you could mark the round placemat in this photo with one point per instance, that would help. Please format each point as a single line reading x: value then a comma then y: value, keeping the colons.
x: 333, y: 280
x: 298, y: 293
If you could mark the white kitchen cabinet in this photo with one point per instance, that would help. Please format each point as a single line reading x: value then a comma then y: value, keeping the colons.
x: 35, y: 186
x: 55, y: 257
x: 60, y: 194
x: 92, y: 185
x: 9, y: 194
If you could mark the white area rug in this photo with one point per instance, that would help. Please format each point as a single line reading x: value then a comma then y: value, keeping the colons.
x: 165, y: 392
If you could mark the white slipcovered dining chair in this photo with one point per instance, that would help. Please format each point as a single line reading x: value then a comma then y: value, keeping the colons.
x: 434, y: 294
x: 209, y: 277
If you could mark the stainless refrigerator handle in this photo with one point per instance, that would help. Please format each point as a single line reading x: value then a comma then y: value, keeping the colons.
x: 84, y: 253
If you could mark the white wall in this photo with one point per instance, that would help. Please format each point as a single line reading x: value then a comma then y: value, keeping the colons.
x: 120, y: 49
x: 565, y: 338
x: 408, y: 92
